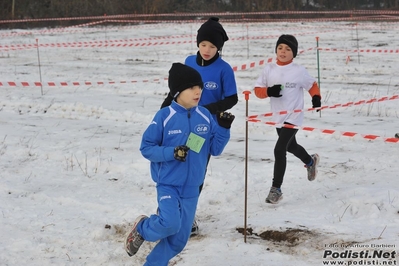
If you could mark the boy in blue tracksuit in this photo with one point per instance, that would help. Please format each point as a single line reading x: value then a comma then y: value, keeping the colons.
x: 177, y: 142
x: 220, y: 88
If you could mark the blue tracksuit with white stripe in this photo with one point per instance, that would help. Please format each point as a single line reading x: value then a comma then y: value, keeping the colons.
x: 177, y: 182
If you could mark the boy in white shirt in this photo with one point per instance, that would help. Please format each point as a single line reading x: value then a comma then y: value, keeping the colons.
x: 283, y: 82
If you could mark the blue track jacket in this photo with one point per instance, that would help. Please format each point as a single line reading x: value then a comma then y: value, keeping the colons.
x: 218, y: 77
x: 171, y: 127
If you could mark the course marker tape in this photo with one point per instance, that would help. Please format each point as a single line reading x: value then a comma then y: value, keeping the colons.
x: 330, y: 131
x: 360, y: 102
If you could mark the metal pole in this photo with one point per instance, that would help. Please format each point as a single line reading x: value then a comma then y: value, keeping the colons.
x: 357, y: 41
x: 318, y: 61
x: 40, y: 67
x: 318, y: 66
x: 12, y: 9
x: 247, y: 42
x: 247, y: 93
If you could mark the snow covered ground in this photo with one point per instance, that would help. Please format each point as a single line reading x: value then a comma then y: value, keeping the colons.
x: 72, y: 178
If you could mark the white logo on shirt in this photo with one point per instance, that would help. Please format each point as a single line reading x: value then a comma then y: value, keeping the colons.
x: 201, y: 129
x: 210, y: 85
x: 175, y: 131
x: 165, y: 197
x: 290, y: 85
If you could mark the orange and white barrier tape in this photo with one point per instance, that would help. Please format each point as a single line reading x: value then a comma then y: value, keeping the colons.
x: 71, y: 83
x: 131, y: 42
x: 91, y: 44
x: 75, y: 28
x: 90, y: 83
x: 348, y: 104
x: 331, y: 131
x: 380, y: 51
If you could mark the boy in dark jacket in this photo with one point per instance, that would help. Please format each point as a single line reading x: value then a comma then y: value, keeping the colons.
x: 177, y: 142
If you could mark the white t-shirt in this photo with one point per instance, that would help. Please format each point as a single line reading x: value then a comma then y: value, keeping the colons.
x: 295, y: 78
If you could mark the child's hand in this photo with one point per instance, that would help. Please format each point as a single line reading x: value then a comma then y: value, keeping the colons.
x: 181, y: 152
x: 274, y: 91
x: 316, y: 102
x: 225, y: 119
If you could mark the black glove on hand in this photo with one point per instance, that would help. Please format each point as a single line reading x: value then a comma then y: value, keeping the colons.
x: 274, y: 91
x: 225, y: 119
x: 181, y: 152
x: 316, y: 102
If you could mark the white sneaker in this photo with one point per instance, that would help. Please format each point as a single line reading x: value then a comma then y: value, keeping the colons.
x: 275, y: 195
x: 194, y: 228
x: 312, y: 170
x: 133, y: 239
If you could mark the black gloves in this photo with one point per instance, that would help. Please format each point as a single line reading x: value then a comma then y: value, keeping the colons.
x: 181, y: 152
x: 316, y: 102
x: 274, y: 91
x: 225, y: 119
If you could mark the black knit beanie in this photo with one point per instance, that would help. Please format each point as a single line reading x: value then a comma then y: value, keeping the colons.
x: 182, y: 77
x: 212, y: 31
x: 290, y: 41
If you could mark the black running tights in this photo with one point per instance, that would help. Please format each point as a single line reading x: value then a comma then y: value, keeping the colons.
x: 286, y: 142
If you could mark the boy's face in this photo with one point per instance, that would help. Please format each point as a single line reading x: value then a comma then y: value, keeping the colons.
x: 189, y: 97
x: 207, y: 50
x: 284, y: 53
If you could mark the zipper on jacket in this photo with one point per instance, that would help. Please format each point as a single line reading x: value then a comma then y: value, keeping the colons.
x: 188, y: 170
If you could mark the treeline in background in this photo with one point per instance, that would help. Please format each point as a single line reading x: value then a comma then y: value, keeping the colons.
x: 33, y: 9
